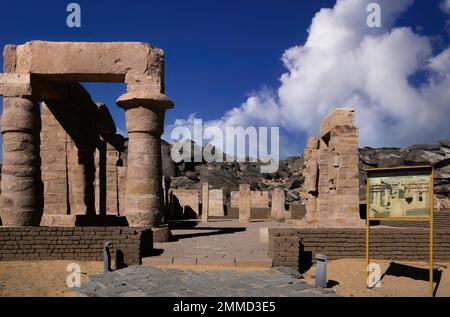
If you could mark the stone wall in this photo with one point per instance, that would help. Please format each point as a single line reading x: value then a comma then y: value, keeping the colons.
x: 234, y: 199
x: 184, y: 203
x: 293, y: 247
x: 216, y: 207
x: 258, y: 199
x: 441, y: 221
x: 128, y: 245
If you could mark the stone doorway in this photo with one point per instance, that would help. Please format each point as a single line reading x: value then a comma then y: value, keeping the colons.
x: 50, y: 72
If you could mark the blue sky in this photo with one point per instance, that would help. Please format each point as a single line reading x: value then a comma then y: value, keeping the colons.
x: 218, y: 53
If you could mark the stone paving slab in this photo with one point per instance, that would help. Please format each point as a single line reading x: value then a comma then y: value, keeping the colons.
x: 209, y: 244
x: 138, y: 281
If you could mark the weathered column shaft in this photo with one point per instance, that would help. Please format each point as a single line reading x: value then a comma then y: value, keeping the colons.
x: 21, y: 186
x: 145, y: 106
x: 143, y: 205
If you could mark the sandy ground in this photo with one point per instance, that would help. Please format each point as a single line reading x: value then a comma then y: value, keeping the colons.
x: 48, y: 278
x: 43, y: 278
x: 400, y: 278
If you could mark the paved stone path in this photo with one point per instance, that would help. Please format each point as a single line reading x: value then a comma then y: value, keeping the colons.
x: 157, y: 282
x: 224, y: 243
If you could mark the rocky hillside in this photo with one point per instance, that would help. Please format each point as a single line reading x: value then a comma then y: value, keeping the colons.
x: 289, y: 176
x: 229, y: 175
x: 437, y: 155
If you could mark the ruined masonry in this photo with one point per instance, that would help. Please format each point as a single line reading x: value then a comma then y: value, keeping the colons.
x: 65, y: 164
x: 331, y: 173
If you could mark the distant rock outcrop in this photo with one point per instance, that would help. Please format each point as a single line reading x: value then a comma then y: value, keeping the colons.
x: 290, y: 173
x: 437, y: 155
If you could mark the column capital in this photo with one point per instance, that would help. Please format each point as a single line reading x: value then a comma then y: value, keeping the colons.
x: 15, y: 85
x: 144, y: 98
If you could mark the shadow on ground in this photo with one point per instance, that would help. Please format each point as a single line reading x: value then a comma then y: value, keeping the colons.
x: 192, y: 224
x: 402, y: 270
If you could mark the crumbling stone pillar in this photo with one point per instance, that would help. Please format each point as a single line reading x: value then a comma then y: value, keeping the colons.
x: 21, y: 185
x: 144, y: 112
x: 311, y: 173
x: 205, y: 202
x: 331, y: 173
x: 244, y: 203
x: 278, y: 204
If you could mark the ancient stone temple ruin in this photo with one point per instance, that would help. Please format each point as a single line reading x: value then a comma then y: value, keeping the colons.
x: 331, y: 172
x: 65, y: 164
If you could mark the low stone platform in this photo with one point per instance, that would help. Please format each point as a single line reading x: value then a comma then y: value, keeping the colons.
x: 218, y: 243
x: 156, y: 282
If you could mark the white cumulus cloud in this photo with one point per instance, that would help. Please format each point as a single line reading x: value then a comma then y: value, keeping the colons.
x: 400, y: 89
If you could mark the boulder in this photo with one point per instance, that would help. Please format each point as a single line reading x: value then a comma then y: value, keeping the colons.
x: 192, y: 175
x: 423, y: 157
x: 444, y: 143
x: 220, y: 179
x: 294, y: 183
x: 424, y: 147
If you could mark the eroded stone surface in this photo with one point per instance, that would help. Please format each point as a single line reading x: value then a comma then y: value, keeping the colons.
x: 331, y: 172
x: 21, y: 201
x: 278, y: 204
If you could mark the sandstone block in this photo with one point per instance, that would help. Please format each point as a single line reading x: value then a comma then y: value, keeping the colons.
x: 86, y: 61
x: 15, y: 85
x: 215, y: 204
x: 9, y: 58
x: 338, y: 117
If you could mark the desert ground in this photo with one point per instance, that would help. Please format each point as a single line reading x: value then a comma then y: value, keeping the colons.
x: 400, y: 278
x: 48, y: 278
x: 40, y: 278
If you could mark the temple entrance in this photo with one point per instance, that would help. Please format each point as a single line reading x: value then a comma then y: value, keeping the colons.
x: 54, y: 184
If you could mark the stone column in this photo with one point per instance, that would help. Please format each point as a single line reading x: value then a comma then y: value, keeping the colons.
x: 205, y: 202
x: 21, y: 185
x: 244, y: 203
x: 278, y: 201
x: 144, y: 111
x: 81, y: 181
